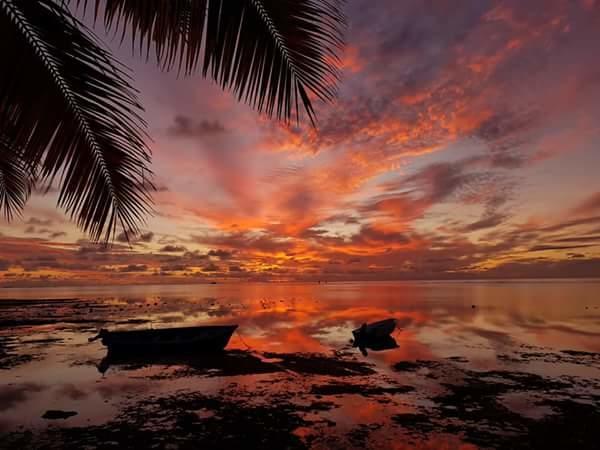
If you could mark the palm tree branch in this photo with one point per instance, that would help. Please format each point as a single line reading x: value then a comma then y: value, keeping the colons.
x: 94, y: 137
x: 16, y: 180
x: 273, y: 54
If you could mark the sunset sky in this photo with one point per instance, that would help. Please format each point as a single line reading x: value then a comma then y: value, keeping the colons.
x: 463, y: 144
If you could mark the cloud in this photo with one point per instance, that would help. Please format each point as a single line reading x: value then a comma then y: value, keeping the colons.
x: 185, y: 127
x: 488, y: 221
x: 32, y: 263
x: 563, y: 225
x: 39, y: 222
x: 211, y: 268
x: 588, y: 206
x: 134, y: 239
x: 133, y: 268
x: 371, y: 236
x: 542, y: 248
x: 469, y: 181
x: 173, y: 267
x: 259, y: 241
x: 195, y: 256
x: 173, y: 248
x: 221, y: 254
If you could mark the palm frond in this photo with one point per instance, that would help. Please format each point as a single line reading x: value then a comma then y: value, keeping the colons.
x: 16, y: 180
x: 273, y: 54
x: 75, y: 115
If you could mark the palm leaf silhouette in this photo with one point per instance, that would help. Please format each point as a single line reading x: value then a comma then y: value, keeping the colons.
x: 16, y: 179
x: 74, y: 114
x: 274, y: 54
x: 71, y: 109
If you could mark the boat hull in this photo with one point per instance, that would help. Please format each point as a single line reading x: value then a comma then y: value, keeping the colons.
x: 178, y: 340
x: 377, y: 330
x: 375, y: 336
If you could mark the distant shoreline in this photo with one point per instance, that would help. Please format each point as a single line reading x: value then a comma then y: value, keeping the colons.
x: 301, y: 282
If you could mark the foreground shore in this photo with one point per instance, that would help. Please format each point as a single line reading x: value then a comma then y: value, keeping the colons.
x: 283, y: 386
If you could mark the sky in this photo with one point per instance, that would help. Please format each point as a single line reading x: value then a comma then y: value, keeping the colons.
x: 463, y: 145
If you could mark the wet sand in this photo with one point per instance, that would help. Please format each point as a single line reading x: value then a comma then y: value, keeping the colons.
x: 506, y: 374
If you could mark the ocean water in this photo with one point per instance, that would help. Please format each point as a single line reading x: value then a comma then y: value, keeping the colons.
x: 498, y: 364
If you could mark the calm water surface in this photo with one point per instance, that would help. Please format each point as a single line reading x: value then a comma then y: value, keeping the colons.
x: 478, y: 364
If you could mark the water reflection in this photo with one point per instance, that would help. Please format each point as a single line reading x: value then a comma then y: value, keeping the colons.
x: 227, y: 363
x: 291, y: 358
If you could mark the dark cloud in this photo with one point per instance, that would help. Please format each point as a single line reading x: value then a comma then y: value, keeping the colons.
x: 4, y: 264
x: 186, y: 127
x: 173, y: 268
x: 211, y: 268
x: 125, y: 237
x: 195, y: 256
x: 89, y: 248
x: 507, y: 133
x: 462, y: 181
x: 133, y: 268
x: 372, y: 236
x: 571, y: 223
x: 133, y: 238
x: 147, y: 237
x: 442, y: 181
x: 488, y: 221
x: 507, y: 160
x: 221, y: 254
x: 265, y: 242
x: 584, y: 238
x: 173, y: 248
x: 33, y: 263
x: 39, y: 222
x: 541, y: 248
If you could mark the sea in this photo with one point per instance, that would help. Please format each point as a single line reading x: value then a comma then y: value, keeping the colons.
x: 474, y: 364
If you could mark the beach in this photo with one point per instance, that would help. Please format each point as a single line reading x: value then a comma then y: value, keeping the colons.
x: 481, y: 364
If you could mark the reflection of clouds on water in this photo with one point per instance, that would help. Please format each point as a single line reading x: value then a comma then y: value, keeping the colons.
x: 71, y: 391
x: 12, y: 395
x: 111, y: 388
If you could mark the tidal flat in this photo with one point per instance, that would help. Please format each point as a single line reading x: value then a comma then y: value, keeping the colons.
x: 499, y: 365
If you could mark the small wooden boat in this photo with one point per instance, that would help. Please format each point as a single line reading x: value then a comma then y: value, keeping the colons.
x: 375, y: 336
x: 185, y: 339
x: 375, y: 330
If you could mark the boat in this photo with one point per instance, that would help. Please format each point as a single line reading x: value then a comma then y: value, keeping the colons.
x: 212, y: 338
x: 380, y: 329
x: 375, y: 336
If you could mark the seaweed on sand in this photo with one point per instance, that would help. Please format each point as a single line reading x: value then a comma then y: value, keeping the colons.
x: 186, y: 420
